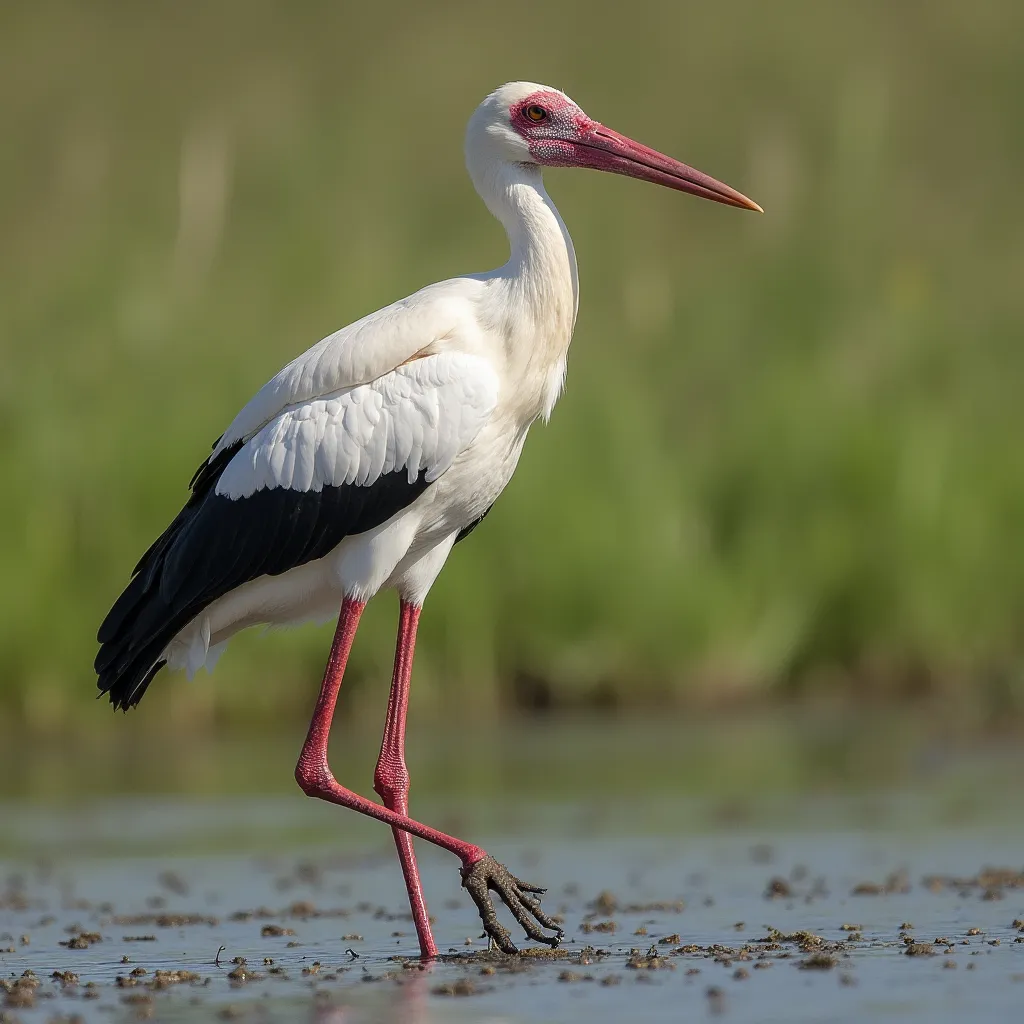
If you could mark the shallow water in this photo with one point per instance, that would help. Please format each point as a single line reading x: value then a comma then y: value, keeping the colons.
x: 752, y: 892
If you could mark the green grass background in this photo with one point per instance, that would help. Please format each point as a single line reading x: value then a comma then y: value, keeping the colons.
x: 789, y: 459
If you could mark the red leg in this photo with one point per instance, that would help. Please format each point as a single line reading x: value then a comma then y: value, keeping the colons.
x: 313, y: 773
x: 480, y: 872
x: 391, y: 779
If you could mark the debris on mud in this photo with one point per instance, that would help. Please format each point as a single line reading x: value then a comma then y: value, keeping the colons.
x: 896, y: 882
x: 21, y: 993
x: 652, y: 960
x: 920, y: 949
x: 604, y: 904
x: 716, y: 1000
x: 275, y: 930
x: 462, y: 987
x: 805, y: 941
x: 819, y: 962
x: 160, y: 920
x: 989, y: 882
x: 609, y: 961
x: 241, y: 974
x: 568, y: 977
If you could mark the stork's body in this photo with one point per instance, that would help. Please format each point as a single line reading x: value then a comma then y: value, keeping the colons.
x: 360, y: 464
x: 477, y: 358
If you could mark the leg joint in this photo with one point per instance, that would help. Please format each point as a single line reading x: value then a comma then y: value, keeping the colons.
x: 391, y: 780
x: 314, y: 777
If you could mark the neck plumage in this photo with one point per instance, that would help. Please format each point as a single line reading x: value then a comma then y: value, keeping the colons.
x: 537, y: 290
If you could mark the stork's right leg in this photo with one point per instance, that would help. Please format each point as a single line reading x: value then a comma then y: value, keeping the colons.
x: 391, y: 777
x: 479, y: 871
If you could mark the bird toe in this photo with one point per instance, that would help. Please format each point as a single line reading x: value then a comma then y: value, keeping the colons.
x: 487, y: 875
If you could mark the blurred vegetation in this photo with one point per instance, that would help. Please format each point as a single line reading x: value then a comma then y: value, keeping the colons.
x: 788, y: 458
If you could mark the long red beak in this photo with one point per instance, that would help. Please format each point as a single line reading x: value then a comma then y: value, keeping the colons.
x: 605, y: 150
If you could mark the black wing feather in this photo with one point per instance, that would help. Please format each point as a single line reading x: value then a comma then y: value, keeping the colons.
x: 467, y: 530
x: 216, y: 544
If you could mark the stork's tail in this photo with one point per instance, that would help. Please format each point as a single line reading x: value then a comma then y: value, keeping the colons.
x: 137, y: 630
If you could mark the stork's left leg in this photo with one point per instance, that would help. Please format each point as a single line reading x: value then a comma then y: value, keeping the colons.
x: 391, y: 779
x: 480, y: 873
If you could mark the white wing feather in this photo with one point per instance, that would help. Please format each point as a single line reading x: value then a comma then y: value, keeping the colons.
x: 362, y: 352
x: 417, y: 418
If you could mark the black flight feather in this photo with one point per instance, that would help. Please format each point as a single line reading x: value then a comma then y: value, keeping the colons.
x: 216, y: 544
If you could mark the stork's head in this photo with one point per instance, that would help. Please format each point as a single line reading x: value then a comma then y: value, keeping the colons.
x: 523, y: 122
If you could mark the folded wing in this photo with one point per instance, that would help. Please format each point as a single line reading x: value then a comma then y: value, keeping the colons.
x: 317, y: 471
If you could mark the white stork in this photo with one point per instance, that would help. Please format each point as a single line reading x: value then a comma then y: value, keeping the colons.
x: 365, y: 460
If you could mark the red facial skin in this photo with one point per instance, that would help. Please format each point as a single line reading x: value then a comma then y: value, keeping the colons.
x: 566, y: 137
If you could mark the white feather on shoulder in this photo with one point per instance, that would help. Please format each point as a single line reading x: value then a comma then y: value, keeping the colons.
x: 419, y: 417
x: 421, y: 324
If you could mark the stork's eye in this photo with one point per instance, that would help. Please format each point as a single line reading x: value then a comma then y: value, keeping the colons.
x: 536, y: 113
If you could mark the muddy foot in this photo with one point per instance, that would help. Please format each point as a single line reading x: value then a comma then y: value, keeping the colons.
x: 486, y: 874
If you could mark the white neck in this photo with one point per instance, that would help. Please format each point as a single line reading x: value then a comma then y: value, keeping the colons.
x: 537, y: 290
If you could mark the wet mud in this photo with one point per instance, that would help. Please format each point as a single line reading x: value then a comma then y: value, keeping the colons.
x: 837, y: 927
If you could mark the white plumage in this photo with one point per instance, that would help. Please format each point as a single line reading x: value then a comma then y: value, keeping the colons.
x: 419, y: 417
x: 441, y: 386
x: 448, y: 380
x: 361, y: 463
